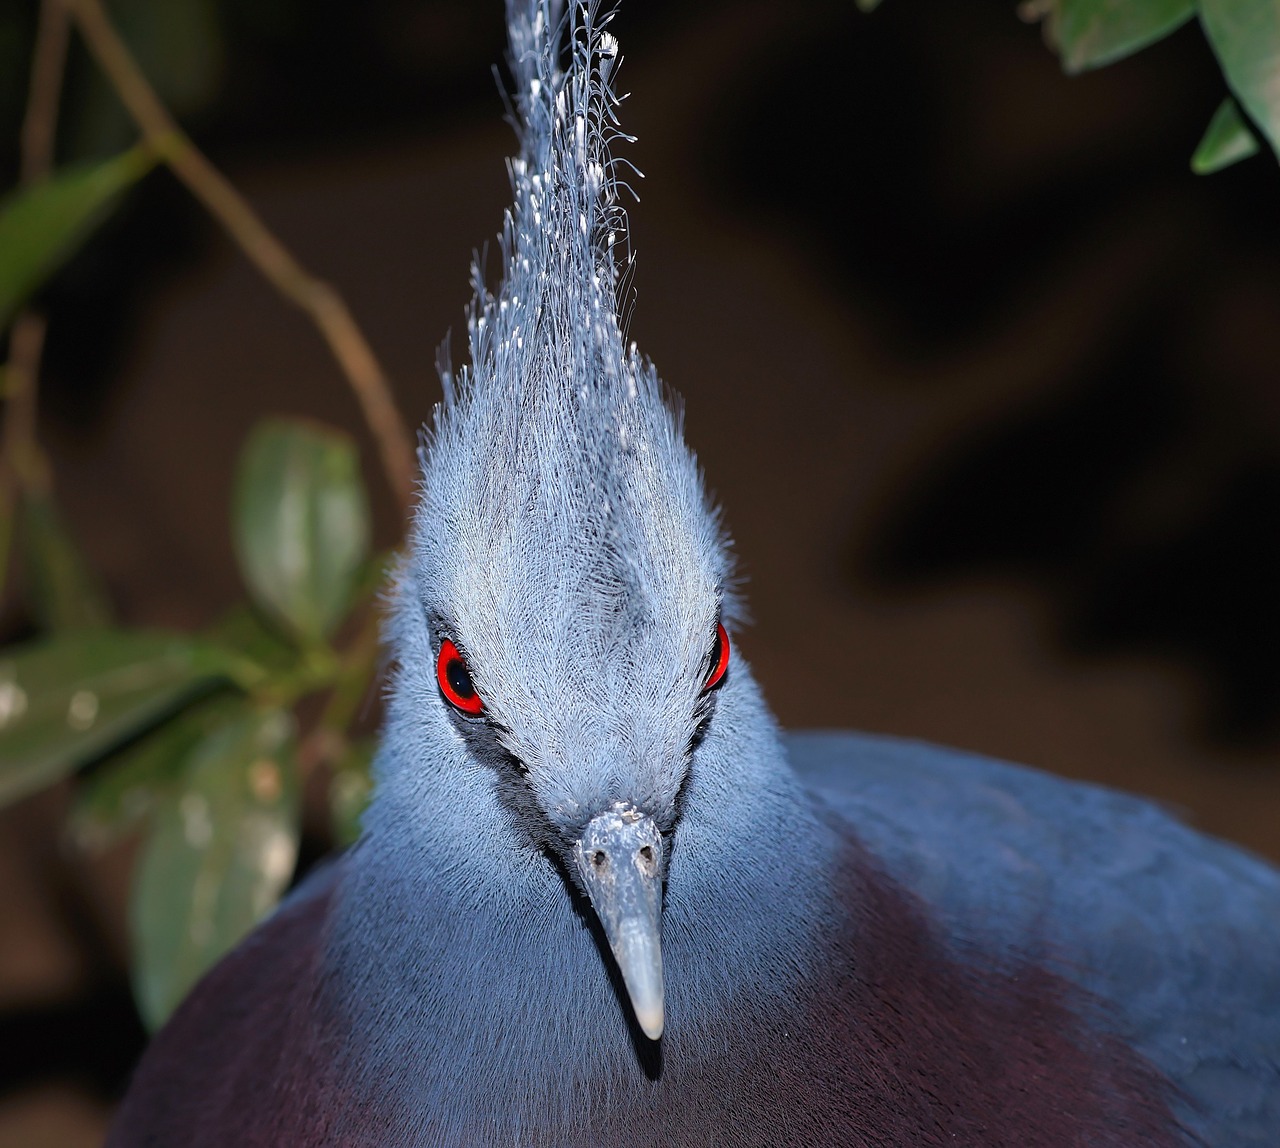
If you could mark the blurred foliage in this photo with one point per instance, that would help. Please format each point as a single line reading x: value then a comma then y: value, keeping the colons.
x: 190, y: 740
x: 67, y: 699
x: 193, y: 735
x: 195, y: 741
x: 1091, y: 33
x: 349, y: 791
x: 1227, y: 140
x: 65, y: 592
x: 42, y: 226
x: 1244, y: 36
x: 220, y: 849
x: 302, y: 525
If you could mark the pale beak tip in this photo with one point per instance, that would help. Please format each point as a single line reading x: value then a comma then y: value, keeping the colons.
x: 651, y: 1020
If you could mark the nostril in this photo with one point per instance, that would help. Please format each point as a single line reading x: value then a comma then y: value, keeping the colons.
x: 646, y: 853
x: 599, y: 859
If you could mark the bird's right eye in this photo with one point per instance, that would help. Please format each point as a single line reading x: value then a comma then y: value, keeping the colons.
x: 455, y: 680
x: 719, y: 660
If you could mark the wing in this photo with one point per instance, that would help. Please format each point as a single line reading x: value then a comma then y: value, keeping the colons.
x: 247, y: 1058
x: 1178, y: 931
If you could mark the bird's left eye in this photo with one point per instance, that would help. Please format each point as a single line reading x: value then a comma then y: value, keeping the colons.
x: 455, y: 680
x: 720, y: 661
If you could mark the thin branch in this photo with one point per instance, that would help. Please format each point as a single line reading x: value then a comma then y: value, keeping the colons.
x: 39, y: 125
x: 22, y: 452
x: 358, y: 673
x: 23, y: 459
x: 317, y: 298
x: 320, y: 749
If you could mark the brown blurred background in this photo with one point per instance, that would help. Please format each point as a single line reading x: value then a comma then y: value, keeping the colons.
x: 986, y: 380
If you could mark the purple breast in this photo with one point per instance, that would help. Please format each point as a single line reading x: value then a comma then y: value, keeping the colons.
x: 900, y: 1044
x: 903, y: 1044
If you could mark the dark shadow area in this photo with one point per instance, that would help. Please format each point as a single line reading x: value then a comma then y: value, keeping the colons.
x: 1034, y: 490
x: 1207, y: 595
x: 1134, y: 487
x: 864, y: 163
x: 1068, y: 494
x: 95, y: 304
x: 94, y: 1038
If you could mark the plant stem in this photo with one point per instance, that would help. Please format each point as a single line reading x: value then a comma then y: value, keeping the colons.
x: 39, y: 125
x: 22, y: 452
x: 317, y: 298
x: 23, y: 464
x: 358, y: 670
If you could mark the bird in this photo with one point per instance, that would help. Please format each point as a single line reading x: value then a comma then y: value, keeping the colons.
x: 602, y: 899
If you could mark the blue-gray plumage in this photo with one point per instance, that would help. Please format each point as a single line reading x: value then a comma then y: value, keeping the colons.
x: 601, y: 900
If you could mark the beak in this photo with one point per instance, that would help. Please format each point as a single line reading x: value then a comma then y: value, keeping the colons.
x: 619, y: 860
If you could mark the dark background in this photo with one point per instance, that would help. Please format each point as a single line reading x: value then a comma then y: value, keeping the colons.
x: 985, y: 378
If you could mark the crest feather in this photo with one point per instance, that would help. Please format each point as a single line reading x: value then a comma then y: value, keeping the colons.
x: 555, y: 463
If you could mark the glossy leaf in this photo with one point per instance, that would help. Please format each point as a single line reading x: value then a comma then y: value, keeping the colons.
x: 65, y: 701
x: 220, y: 851
x: 42, y: 226
x: 65, y: 593
x: 349, y: 790
x: 1091, y: 33
x: 1227, y: 140
x: 301, y: 524
x: 115, y: 798
x: 1245, y: 35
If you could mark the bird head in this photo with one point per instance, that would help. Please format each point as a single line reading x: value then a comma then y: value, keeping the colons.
x: 571, y: 572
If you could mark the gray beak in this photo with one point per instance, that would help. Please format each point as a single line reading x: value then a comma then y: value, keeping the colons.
x: 619, y: 858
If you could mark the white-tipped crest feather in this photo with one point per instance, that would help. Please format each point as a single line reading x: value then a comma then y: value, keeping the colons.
x: 563, y: 537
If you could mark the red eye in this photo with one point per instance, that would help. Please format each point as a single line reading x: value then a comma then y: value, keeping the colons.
x: 722, y: 659
x: 455, y: 679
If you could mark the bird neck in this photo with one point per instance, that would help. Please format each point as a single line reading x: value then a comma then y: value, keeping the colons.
x: 450, y: 950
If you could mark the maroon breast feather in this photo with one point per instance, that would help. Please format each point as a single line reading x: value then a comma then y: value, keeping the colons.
x: 899, y: 1044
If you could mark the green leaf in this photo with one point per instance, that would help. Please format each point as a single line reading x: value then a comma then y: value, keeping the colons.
x: 121, y: 792
x: 1245, y: 35
x: 221, y: 850
x: 65, y: 593
x: 301, y: 524
x: 42, y: 226
x: 243, y: 629
x: 67, y: 700
x: 1091, y: 33
x: 349, y: 790
x: 1227, y: 140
